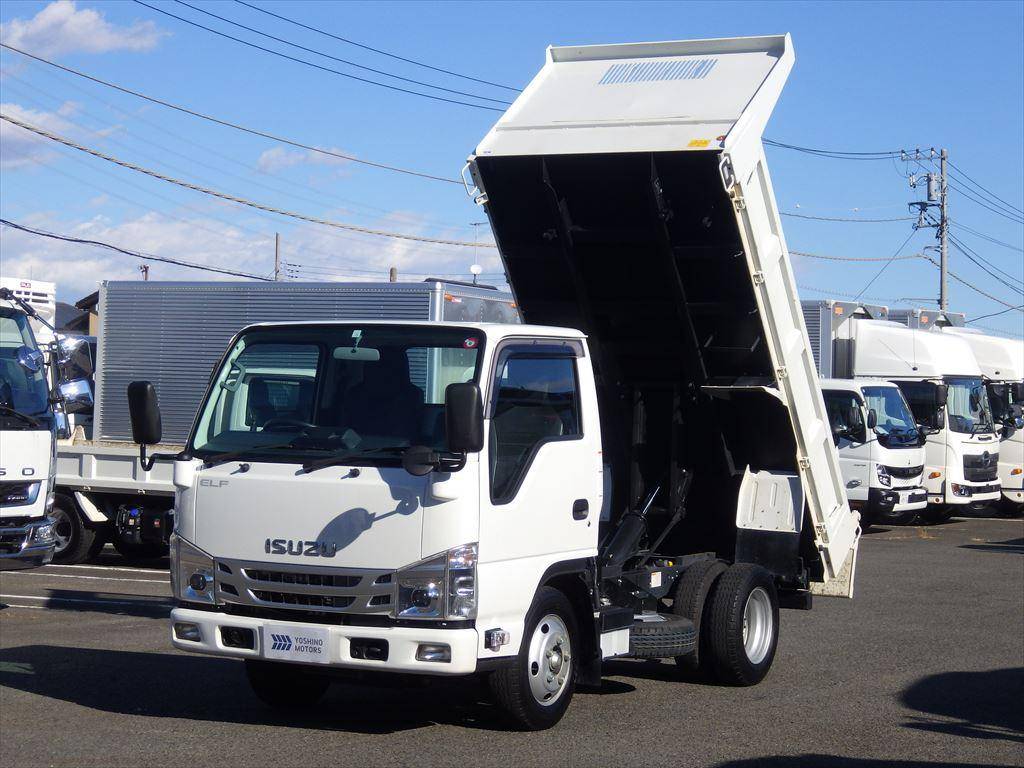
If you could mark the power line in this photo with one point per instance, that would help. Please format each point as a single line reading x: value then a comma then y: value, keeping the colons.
x: 845, y: 220
x: 835, y: 154
x: 315, y: 65
x: 989, y: 192
x: 857, y: 258
x: 887, y: 263
x: 232, y: 198
x: 994, y: 314
x: 983, y: 236
x: 339, y: 60
x: 375, y: 50
x: 978, y: 262
x: 126, y: 252
x: 1014, y: 218
x: 229, y: 124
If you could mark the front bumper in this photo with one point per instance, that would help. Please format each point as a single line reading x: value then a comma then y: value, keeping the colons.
x: 402, y: 642
x: 979, y: 493
x: 19, y: 549
x: 884, y: 501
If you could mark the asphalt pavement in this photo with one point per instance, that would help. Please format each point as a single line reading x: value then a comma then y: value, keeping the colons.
x: 924, y: 667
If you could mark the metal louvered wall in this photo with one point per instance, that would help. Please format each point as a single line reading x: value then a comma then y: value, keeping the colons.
x: 174, y: 333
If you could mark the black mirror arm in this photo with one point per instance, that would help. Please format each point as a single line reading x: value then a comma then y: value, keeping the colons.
x: 448, y: 461
x: 147, y: 462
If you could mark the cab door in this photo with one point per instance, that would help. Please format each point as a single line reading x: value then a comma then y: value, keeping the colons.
x: 845, y: 413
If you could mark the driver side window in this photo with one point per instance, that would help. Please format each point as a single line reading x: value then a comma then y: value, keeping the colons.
x: 844, y: 415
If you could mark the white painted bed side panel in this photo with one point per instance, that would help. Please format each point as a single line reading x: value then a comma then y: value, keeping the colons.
x: 770, y: 501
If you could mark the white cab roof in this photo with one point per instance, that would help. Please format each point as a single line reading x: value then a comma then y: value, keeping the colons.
x: 493, y: 330
x: 691, y: 95
x: 854, y: 385
x: 1000, y: 359
x: 891, y: 350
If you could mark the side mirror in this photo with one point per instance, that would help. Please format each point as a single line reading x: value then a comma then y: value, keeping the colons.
x: 61, y: 425
x: 464, y: 418
x: 941, y: 394
x: 144, y: 409
x: 1017, y: 391
x: 872, y: 418
x: 74, y: 358
x: 77, y: 395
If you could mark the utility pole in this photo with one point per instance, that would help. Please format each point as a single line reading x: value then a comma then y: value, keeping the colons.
x: 144, y: 269
x: 943, y: 226
x: 938, y: 197
x: 393, y: 275
x: 277, y: 255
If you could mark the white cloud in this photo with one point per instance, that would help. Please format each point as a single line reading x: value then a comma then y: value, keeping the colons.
x: 61, y: 28
x: 279, y: 158
x: 325, y: 254
x: 19, y: 147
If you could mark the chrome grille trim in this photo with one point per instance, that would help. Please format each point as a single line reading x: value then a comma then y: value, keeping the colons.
x: 305, y: 587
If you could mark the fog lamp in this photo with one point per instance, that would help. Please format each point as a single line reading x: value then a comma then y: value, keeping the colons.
x: 439, y: 652
x: 198, y: 581
x: 184, y: 630
x: 43, y: 534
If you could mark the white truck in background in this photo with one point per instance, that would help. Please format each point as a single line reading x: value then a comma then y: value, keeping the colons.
x: 881, y: 449
x: 38, y: 386
x: 942, y: 382
x: 657, y: 433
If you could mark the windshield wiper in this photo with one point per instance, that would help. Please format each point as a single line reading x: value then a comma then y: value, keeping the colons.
x: 341, y: 458
x: 23, y: 416
x: 220, y: 458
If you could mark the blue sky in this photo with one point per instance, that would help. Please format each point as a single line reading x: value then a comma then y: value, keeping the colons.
x: 868, y: 76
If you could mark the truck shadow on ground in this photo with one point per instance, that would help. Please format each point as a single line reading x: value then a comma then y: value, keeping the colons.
x: 113, y: 603
x: 977, y: 705
x: 1011, y: 546
x: 204, y: 688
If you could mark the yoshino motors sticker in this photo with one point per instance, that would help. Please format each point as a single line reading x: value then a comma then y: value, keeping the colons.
x: 308, y: 644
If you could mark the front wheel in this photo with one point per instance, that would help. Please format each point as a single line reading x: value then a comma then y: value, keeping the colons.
x: 537, y: 688
x: 75, y: 542
x: 285, y: 686
x: 744, y: 628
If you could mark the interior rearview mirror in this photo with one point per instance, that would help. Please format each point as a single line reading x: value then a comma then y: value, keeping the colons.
x: 144, y: 410
x: 872, y: 418
x: 464, y: 418
x: 941, y: 393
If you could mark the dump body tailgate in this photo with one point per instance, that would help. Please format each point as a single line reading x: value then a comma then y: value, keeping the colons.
x: 630, y: 180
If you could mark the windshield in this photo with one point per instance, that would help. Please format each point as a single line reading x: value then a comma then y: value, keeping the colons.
x: 1004, y: 407
x: 305, y: 392
x: 967, y: 406
x: 893, y: 421
x: 21, y: 389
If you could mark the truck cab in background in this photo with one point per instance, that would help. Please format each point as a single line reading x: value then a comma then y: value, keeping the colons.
x: 881, y: 449
x: 38, y: 385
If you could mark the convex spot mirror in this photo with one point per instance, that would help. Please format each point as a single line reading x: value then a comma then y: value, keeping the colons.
x: 464, y: 418
x: 29, y: 359
x: 418, y: 460
x: 77, y: 395
x: 144, y: 409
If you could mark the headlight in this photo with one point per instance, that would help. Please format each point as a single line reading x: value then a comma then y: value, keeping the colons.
x: 443, y: 586
x: 960, y: 490
x: 191, y: 572
x: 883, y: 476
x: 43, y: 534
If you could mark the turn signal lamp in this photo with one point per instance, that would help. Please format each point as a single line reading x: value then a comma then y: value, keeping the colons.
x: 933, y: 475
x: 1017, y: 471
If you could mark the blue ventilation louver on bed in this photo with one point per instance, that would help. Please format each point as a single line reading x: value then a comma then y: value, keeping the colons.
x: 651, y: 71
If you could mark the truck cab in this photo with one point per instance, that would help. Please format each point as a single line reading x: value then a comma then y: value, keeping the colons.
x: 521, y: 502
x: 881, y: 449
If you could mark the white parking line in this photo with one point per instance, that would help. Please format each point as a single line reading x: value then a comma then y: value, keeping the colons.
x: 83, y: 601
x: 990, y: 519
x: 105, y: 568
x: 45, y: 575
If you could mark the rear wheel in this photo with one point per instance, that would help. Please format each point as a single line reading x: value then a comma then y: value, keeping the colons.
x: 744, y: 627
x: 285, y: 686
x: 690, y: 600
x: 537, y: 688
x: 76, y: 542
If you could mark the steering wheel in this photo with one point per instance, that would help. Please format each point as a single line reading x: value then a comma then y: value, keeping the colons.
x: 279, y: 423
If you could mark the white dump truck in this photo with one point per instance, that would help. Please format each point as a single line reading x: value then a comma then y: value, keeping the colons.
x: 103, y: 494
x: 39, y: 384
x: 654, y: 433
x: 941, y: 381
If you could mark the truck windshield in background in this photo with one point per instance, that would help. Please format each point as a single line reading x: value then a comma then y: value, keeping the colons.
x: 301, y: 392
x: 967, y: 406
x: 894, y: 423
x: 1004, y: 407
x: 24, y: 396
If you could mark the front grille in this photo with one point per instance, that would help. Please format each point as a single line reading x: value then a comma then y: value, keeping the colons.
x: 905, y: 473
x: 979, y: 469
x: 18, y: 494
x: 305, y: 588
x: 12, y: 539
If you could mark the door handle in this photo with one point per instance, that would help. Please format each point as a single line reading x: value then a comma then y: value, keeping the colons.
x: 580, y: 509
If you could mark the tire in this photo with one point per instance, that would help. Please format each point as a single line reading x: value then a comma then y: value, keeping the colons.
x: 690, y: 600
x: 931, y: 515
x: 76, y: 542
x: 142, y: 551
x: 744, y: 626
x: 662, y: 639
x: 285, y: 686
x: 550, y: 642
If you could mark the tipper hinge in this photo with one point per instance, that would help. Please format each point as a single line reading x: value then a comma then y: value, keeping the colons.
x: 804, y: 462
x: 759, y: 278
x: 781, y: 372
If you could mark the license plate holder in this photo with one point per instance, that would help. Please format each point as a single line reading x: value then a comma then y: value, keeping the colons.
x: 310, y: 645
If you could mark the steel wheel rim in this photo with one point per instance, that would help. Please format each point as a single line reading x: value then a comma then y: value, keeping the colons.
x: 63, y: 529
x: 550, y: 660
x: 757, y: 625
